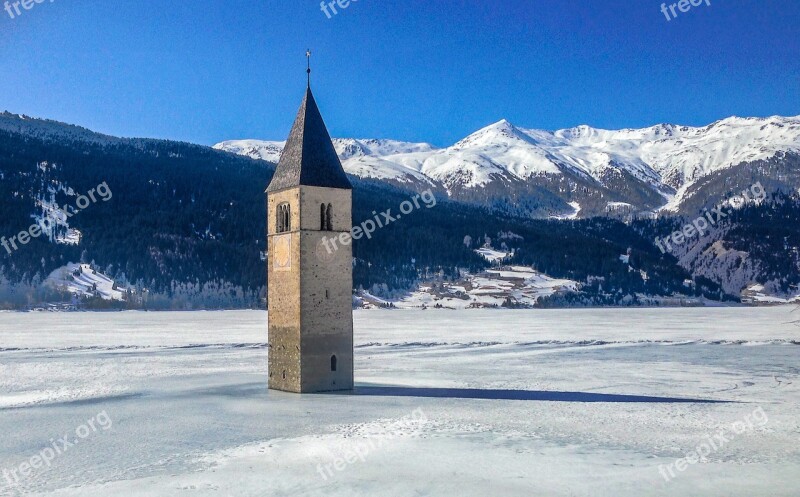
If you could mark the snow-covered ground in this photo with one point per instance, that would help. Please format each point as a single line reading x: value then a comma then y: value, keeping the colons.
x: 492, y: 255
x: 576, y: 207
x: 758, y: 294
x: 506, y: 403
x: 83, y: 281
x: 504, y: 286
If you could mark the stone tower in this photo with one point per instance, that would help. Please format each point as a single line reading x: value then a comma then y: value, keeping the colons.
x: 310, y: 287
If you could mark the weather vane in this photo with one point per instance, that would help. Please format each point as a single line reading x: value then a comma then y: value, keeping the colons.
x: 308, y: 71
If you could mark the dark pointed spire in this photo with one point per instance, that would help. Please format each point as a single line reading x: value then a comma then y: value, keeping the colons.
x: 309, y: 157
x: 308, y: 71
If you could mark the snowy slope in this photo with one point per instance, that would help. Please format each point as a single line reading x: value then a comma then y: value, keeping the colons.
x: 516, y: 286
x: 377, y: 159
x: 255, y: 149
x: 680, y: 155
x: 663, y: 154
x: 81, y: 280
x: 666, y: 158
x: 348, y: 147
x: 49, y: 215
x: 757, y: 293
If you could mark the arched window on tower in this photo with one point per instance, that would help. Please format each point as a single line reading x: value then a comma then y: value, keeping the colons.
x: 322, y: 224
x: 333, y: 363
x: 329, y: 217
x: 284, y: 218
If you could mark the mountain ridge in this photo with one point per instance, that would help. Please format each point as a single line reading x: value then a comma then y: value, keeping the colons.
x: 186, y: 227
x: 658, y: 164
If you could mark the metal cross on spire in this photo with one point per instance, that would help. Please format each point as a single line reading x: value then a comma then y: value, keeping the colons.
x: 308, y: 71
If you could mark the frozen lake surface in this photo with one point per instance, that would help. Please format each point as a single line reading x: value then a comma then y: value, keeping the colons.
x: 462, y: 403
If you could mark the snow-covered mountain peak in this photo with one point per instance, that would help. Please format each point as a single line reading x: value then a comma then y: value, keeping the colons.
x: 255, y: 149
x: 499, y: 133
x: 349, y: 147
x: 577, y: 132
x: 653, y: 162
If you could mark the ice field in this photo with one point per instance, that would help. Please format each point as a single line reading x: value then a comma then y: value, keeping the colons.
x: 448, y: 403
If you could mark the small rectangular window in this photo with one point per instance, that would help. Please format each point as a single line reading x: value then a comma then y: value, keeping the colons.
x: 283, y: 221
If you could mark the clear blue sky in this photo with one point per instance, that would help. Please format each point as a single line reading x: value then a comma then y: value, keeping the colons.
x: 419, y: 70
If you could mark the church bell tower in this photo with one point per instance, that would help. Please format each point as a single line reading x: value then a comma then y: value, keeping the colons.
x: 310, y: 286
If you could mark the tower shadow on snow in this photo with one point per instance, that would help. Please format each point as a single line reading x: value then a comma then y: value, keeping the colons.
x: 530, y: 395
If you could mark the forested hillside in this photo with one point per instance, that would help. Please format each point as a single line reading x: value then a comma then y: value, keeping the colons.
x: 185, y: 227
